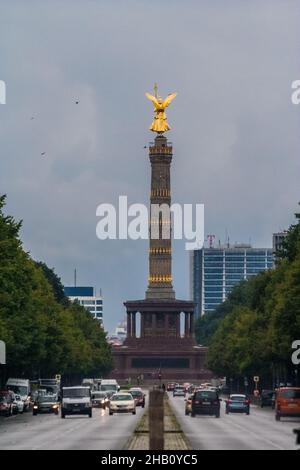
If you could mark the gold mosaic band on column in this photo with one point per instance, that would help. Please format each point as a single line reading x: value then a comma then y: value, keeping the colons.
x: 160, y: 251
x: 160, y: 278
x: 160, y: 193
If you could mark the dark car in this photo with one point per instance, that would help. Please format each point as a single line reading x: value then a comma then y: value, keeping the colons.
x: 206, y: 402
x: 46, y: 404
x: 267, y: 398
x: 238, y: 403
x: 100, y: 399
x: 224, y: 390
x: 8, y: 406
x: 138, y: 396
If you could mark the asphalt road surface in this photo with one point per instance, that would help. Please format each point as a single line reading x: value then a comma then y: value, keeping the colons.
x: 50, y: 432
x: 259, y: 431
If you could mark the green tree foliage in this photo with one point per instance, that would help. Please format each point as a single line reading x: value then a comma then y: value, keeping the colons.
x: 252, y: 332
x: 44, y: 333
x: 55, y: 282
x: 291, y: 244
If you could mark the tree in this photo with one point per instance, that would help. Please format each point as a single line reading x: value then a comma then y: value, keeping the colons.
x: 44, y: 333
x: 253, y: 330
x: 55, y: 282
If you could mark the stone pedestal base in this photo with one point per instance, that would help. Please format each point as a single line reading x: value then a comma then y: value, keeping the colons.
x: 181, y: 362
x: 160, y: 347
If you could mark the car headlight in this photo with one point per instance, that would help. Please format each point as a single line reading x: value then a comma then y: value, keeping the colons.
x: 55, y: 407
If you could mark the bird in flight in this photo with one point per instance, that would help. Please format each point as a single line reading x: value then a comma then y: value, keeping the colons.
x: 77, y: 101
x: 43, y: 153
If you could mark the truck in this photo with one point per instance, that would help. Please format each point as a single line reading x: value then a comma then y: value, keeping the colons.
x: 22, y: 388
x: 110, y: 386
x: 88, y: 383
x: 76, y: 400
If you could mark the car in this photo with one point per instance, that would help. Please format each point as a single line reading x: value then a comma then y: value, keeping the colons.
x: 214, y: 389
x: 135, y: 388
x: 8, y: 407
x: 19, y: 402
x: 238, y: 403
x: 76, y: 400
x: 267, y: 398
x: 206, y: 402
x: 224, y: 390
x: 138, y: 396
x: 188, y: 405
x: 109, y: 385
x: 100, y: 399
x: 88, y: 383
x: 287, y: 402
x: 122, y: 403
x: 171, y: 386
x: 22, y: 388
x: 179, y: 391
x: 45, y: 404
x: 207, y: 385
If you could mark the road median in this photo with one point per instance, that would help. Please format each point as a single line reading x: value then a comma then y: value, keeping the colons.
x: 174, y: 438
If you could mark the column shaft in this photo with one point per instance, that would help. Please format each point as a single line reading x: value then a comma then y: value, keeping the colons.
x: 178, y: 325
x: 153, y: 324
x: 186, y: 325
x: 166, y: 324
x: 128, y: 324
x: 134, y: 324
x: 142, y: 325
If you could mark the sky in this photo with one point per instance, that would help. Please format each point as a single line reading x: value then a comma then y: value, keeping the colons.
x: 235, y: 132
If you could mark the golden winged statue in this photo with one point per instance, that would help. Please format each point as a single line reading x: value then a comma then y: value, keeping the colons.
x: 160, y: 123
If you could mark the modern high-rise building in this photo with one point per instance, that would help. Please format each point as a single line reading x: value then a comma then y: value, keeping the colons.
x: 86, y: 297
x: 215, y: 271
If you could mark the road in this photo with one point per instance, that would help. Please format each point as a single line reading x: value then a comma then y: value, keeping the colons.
x: 259, y: 431
x: 50, y: 432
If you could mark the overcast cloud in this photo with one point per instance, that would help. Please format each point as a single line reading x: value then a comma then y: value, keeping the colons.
x: 235, y: 131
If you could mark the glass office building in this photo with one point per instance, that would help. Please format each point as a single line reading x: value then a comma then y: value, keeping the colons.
x: 215, y: 271
x: 85, y: 297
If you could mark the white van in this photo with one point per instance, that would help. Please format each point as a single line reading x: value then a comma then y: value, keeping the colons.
x: 110, y: 386
x: 20, y: 387
x: 76, y: 400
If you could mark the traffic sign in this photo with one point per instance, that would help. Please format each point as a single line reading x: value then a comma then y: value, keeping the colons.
x: 256, y: 379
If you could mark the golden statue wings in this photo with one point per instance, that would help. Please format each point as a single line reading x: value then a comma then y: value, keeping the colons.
x: 160, y: 123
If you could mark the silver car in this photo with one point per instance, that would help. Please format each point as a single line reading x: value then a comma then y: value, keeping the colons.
x: 179, y: 391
